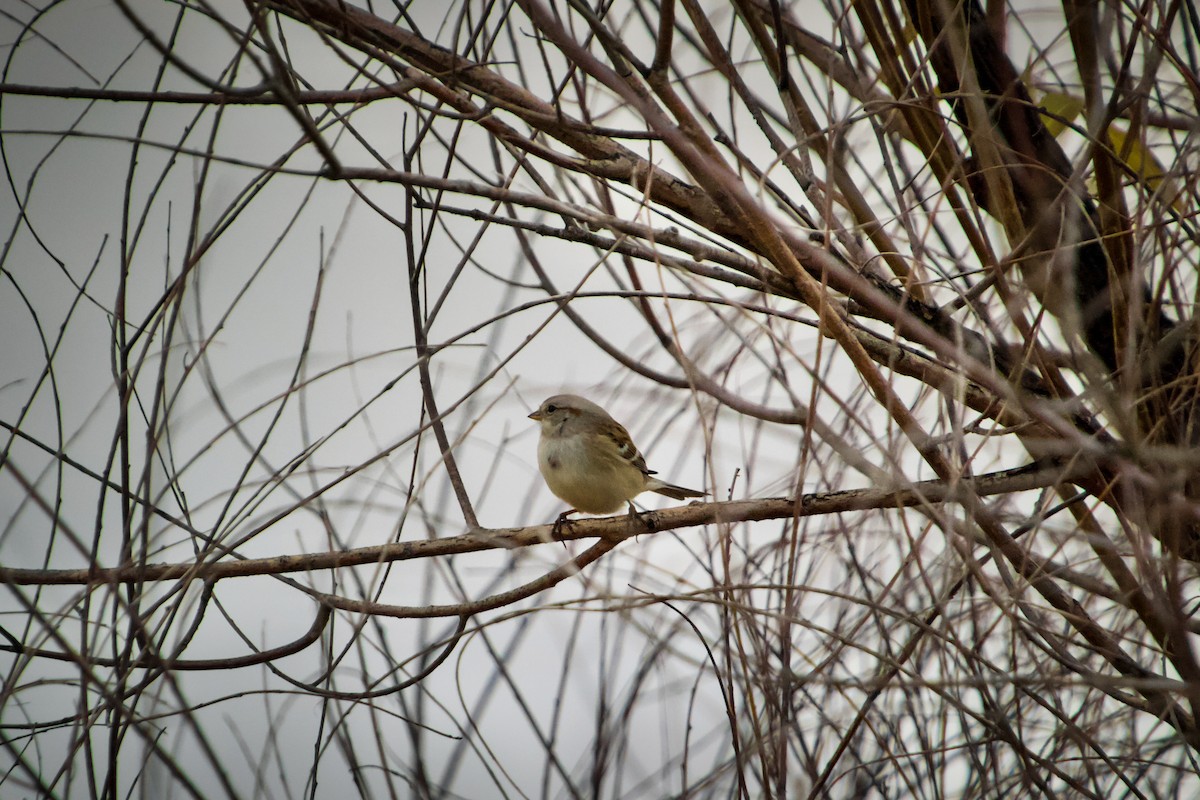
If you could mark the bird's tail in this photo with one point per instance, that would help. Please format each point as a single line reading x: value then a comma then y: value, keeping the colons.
x: 676, y: 492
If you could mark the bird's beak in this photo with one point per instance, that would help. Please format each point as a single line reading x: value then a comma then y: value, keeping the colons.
x: 536, y: 416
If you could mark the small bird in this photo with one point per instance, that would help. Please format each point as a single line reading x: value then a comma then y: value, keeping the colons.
x: 589, y: 461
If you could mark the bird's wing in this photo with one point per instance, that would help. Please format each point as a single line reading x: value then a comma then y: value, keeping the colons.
x: 626, y: 448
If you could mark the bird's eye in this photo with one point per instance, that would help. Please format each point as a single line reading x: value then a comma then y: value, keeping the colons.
x: 550, y: 409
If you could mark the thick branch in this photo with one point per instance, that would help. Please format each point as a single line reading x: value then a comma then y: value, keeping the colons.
x: 618, y: 527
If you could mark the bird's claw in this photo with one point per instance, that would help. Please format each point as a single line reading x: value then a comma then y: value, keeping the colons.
x: 644, y: 517
x: 556, y: 532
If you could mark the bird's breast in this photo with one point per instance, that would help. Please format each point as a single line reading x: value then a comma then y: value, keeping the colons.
x: 582, y: 474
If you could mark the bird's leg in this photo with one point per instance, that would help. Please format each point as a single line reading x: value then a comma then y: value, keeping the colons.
x: 556, y: 531
x: 644, y: 517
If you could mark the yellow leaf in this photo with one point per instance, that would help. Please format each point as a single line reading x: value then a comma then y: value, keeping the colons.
x: 1064, y: 107
x: 1142, y: 163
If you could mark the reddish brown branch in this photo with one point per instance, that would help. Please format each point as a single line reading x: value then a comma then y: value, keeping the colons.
x: 608, y: 528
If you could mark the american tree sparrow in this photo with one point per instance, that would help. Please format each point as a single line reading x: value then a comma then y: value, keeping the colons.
x: 589, y: 461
